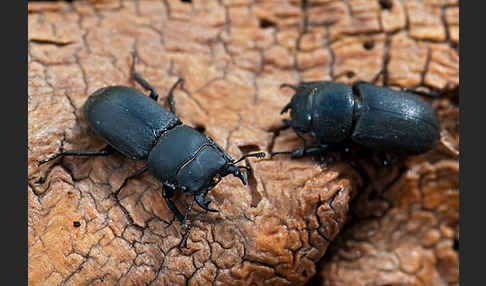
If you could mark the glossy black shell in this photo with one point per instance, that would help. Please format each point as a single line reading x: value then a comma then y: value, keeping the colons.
x: 395, y: 121
x: 127, y: 119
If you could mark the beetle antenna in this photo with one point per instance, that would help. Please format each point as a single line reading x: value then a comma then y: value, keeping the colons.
x: 258, y: 155
x: 280, y: 153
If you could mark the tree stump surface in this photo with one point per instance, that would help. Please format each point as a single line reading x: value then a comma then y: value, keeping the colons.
x: 297, y: 221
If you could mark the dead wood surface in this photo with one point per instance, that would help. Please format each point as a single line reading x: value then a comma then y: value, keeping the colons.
x: 402, y: 225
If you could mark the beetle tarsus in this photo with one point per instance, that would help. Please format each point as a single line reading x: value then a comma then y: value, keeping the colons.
x: 183, y: 243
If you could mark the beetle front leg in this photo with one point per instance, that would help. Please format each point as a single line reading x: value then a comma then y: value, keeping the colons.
x: 138, y: 78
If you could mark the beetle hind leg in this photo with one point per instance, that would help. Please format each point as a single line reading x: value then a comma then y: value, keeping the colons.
x: 107, y: 150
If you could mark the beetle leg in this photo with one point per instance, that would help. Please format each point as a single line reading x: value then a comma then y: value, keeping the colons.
x: 186, y: 226
x: 186, y: 214
x: 138, y: 78
x: 184, y: 238
x: 138, y: 172
x: 167, y: 193
x: 107, y: 150
x: 171, y: 94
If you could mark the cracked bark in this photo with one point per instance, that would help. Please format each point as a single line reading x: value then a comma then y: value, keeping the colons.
x: 234, y: 55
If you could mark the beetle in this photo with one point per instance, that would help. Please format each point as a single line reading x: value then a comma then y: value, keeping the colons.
x: 336, y: 116
x: 136, y: 126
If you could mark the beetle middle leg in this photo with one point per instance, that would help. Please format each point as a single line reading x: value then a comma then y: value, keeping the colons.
x: 138, y: 78
x: 138, y: 172
x: 185, y: 225
x: 199, y: 199
x: 107, y: 150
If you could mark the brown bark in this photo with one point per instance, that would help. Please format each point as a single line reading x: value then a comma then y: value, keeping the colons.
x: 234, y: 55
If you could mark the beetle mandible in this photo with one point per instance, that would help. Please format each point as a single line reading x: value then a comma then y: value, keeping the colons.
x: 335, y: 115
x: 176, y: 154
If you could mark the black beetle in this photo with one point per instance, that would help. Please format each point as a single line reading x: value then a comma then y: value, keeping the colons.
x: 178, y: 155
x: 336, y: 115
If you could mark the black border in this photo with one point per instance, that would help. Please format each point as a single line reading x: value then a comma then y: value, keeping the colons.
x: 14, y: 155
x: 472, y: 105
x: 472, y: 145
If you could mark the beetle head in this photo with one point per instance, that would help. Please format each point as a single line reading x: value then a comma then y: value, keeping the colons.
x: 300, y: 108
